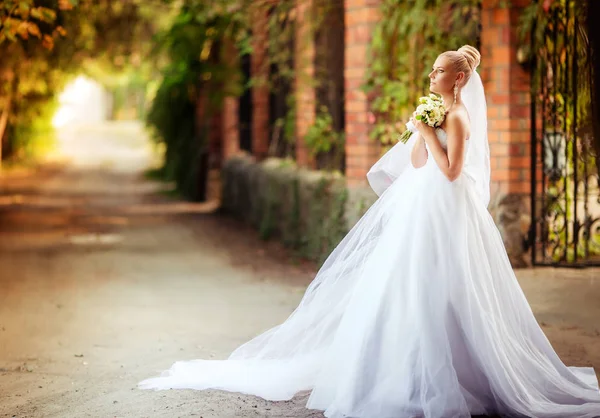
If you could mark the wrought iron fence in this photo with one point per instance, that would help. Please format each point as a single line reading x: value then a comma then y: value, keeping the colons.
x: 565, y: 199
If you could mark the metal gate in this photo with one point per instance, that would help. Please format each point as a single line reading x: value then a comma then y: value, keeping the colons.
x: 565, y: 199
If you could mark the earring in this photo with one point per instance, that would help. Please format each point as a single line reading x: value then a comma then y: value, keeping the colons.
x: 455, y: 92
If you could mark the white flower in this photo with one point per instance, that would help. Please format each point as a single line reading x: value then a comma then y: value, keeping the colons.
x: 431, y: 109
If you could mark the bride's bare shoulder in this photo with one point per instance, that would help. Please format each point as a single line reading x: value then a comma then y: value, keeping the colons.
x: 457, y: 121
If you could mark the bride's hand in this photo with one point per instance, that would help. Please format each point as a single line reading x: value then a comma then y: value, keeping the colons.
x: 425, y: 130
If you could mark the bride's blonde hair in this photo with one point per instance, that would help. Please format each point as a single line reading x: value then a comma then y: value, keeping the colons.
x: 466, y: 59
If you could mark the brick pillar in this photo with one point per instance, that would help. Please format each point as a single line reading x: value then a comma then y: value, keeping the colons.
x: 507, y: 87
x: 231, y: 133
x: 361, y: 151
x: 260, y: 90
x: 508, y: 96
x: 215, y: 137
x: 304, y: 55
x: 215, y: 157
x: 230, y: 144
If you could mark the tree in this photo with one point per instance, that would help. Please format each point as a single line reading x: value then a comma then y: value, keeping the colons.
x: 20, y: 19
x: 113, y: 35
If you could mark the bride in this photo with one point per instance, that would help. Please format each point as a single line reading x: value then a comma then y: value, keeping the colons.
x: 417, y: 312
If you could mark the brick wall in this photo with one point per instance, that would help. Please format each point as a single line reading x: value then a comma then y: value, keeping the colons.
x: 230, y: 132
x: 260, y: 90
x: 230, y: 126
x: 304, y: 53
x: 361, y: 151
x: 507, y: 87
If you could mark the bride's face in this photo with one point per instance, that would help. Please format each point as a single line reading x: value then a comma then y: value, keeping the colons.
x: 442, y: 77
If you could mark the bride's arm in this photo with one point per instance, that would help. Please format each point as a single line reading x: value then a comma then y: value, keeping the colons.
x: 418, y: 155
x: 451, y: 162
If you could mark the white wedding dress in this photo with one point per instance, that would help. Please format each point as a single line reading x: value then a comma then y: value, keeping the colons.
x: 416, y: 313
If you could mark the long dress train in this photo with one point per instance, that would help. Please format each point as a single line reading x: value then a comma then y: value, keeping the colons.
x: 416, y: 313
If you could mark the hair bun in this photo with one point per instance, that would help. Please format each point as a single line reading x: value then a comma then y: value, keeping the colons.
x: 472, y: 55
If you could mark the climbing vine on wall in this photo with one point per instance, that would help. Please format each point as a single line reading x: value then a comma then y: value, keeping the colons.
x: 406, y: 42
x: 200, y: 67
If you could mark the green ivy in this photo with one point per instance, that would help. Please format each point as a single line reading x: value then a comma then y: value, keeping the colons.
x: 406, y: 42
x: 321, y: 137
x: 199, y: 69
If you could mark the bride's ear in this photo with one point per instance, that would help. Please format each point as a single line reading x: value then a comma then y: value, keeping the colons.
x: 460, y: 78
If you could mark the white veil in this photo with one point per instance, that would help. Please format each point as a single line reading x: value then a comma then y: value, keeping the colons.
x: 477, y: 163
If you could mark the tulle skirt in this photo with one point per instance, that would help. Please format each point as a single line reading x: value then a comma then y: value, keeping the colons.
x: 416, y: 313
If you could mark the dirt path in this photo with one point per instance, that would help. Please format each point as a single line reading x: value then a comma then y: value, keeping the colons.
x: 104, y: 283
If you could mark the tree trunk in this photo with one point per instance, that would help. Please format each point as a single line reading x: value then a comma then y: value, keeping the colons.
x: 593, y: 29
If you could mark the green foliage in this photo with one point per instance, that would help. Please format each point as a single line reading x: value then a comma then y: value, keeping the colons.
x: 173, y: 98
x: 405, y: 44
x: 554, y: 39
x: 77, y: 36
x: 543, y: 49
x: 199, y: 68
x: 33, y: 134
x: 23, y: 18
x: 322, y: 138
x: 305, y: 209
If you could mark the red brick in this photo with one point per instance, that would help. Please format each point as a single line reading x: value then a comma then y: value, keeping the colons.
x: 355, y: 73
x: 501, y: 98
x: 499, y: 149
x: 231, y: 136
x: 373, y: 4
x: 486, y: 20
x: 521, y: 112
x: 504, y: 34
x: 515, y: 150
x: 352, y: 139
x: 499, y: 124
x: 354, y: 4
x: 356, y: 17
x: 501, y: 175
x: 356, y: 106
x: 355, y: 95
x: 356, y: 173
x: 514, y: 175
x: 519, y: 187
x: 500, y: 16
x: 501, y: 162
x: 356, y: 55
x: 357, y: 128
x: 366, y: 149
x: 520, y: 162
x: 260, y: 93
x: 359, y: 35
x: 360, y: 117
x: 519, y: 124
x: 504, y: 137
x: 493, y: 163
x: 501, y: 55
x: 493, y: 137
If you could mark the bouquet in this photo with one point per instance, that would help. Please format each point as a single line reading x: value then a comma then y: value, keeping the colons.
x: 431, y: 111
